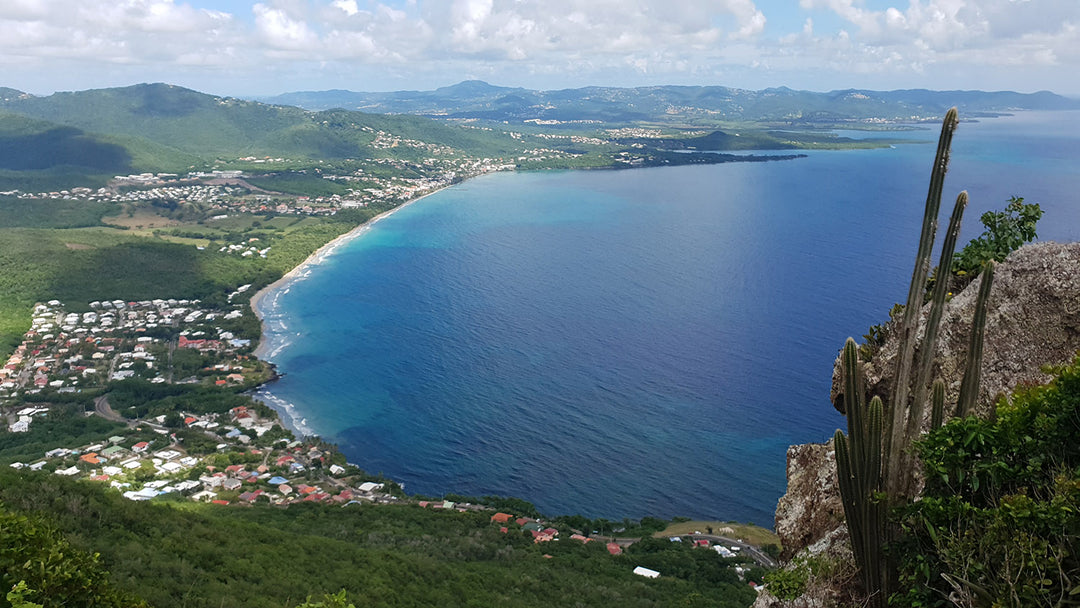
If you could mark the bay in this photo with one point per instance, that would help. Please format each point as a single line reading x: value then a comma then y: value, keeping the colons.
x: 630, y: 343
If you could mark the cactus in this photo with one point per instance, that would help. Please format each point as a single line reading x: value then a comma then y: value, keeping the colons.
x: 969, y: 387
x: 903, y: 480
x: 937, y: 410
x: 895, y: 442
x: 858, y: 466
x: 875, y: 463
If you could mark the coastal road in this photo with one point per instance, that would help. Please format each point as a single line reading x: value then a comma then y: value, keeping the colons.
x: 750, y: 551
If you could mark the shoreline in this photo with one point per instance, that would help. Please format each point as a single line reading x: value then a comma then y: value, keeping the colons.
x: 316, y: 258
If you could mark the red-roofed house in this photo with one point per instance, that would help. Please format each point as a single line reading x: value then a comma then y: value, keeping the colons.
x: 501, y: 518
x: 614, y: 549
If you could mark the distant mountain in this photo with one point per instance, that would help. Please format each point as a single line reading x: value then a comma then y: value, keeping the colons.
x: 479, y: 100
x: 161, y: 120
x: 8, y: 94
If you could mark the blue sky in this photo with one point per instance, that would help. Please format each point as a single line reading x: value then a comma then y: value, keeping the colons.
x: 243, y: 47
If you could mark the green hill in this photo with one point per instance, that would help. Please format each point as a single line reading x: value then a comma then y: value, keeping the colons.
x: 189, y: 554
x: 165, y: 126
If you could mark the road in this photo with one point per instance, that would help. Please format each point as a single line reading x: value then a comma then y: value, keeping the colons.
x: 103, y: 409
x: 744, y: 549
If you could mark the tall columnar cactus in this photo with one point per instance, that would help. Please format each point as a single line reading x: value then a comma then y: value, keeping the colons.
x: 969, y: 387
x: 895, y: 442
x: 902, y: 482
x: 858, y: 467
x: 937, y: 412
x: 875, y: 461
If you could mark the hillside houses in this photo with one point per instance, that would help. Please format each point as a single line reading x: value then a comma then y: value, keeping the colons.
x: 117, y: 339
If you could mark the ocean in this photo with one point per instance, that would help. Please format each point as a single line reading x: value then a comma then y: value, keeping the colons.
x: 629, y: 343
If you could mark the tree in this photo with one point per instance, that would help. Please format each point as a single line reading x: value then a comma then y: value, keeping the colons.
x: 1005, y: 232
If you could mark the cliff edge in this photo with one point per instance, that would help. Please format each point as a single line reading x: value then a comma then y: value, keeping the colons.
x: 1033, y: 322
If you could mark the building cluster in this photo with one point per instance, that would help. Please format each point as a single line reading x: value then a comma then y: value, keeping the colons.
x: 117, y: 339
x: 221, y: 193
x: 143, y: 465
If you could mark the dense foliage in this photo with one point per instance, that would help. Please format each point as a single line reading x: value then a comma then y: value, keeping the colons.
x: 65, y: 425
x: 37, y: 565
x: 999, y: 521
x: 1005, y: 231
x: 190, y: 554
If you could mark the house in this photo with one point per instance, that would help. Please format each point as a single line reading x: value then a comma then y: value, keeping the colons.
x: 501, y: 518
x: 204, y: 496
x: 251, y: 496
x: 336, y: 469
x: 232, y: 484
x: 112, y: 452
x: 370, y: 486
x: 140, y: 447
x: 614, y: 549
x: 643, y: 571
x: 91, y: 458
x: 143, y: 494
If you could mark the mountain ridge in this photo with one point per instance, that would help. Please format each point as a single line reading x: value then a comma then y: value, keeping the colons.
x: 476, y: 99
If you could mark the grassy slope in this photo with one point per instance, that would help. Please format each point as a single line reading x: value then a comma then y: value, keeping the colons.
x: 183, y: 122
x: 204, y: 555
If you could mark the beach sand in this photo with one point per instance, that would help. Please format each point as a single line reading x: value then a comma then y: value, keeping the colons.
x: 313, y: 260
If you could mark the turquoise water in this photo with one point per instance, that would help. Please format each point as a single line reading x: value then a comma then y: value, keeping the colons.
x: 621, y: 344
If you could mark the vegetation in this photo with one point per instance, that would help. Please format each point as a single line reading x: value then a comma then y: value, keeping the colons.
x: 1005, y: 231
x: 999, y: 521
x: 192, y: 554
x: 875, y: 461
x: 65, y: 425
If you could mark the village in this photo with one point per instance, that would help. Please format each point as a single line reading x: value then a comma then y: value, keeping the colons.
x: 115, y: 340
x: 226, y: 190
x: 239, y: 457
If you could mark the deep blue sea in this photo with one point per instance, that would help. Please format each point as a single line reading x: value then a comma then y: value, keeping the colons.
x: 630, y: 343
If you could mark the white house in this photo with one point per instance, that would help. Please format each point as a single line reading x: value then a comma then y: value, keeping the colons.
x: 647, y: 573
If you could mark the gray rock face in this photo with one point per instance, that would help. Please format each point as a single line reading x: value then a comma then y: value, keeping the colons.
x: 812, y: 504
x: 1033, y: 322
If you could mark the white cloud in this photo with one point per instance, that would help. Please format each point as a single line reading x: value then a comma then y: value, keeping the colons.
x: 348, y: 6
x: 422, y: 43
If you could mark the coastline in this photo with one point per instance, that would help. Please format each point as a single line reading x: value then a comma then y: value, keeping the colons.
x: 316, y: 258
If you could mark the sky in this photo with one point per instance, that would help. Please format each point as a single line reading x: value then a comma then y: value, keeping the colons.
x: 245, y: 48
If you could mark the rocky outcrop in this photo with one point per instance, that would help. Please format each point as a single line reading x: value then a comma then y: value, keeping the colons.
x: 1033, y: 322
x: 811, y: 507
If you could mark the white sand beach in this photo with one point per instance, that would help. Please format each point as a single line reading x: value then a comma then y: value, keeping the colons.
x: 317, y: 257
